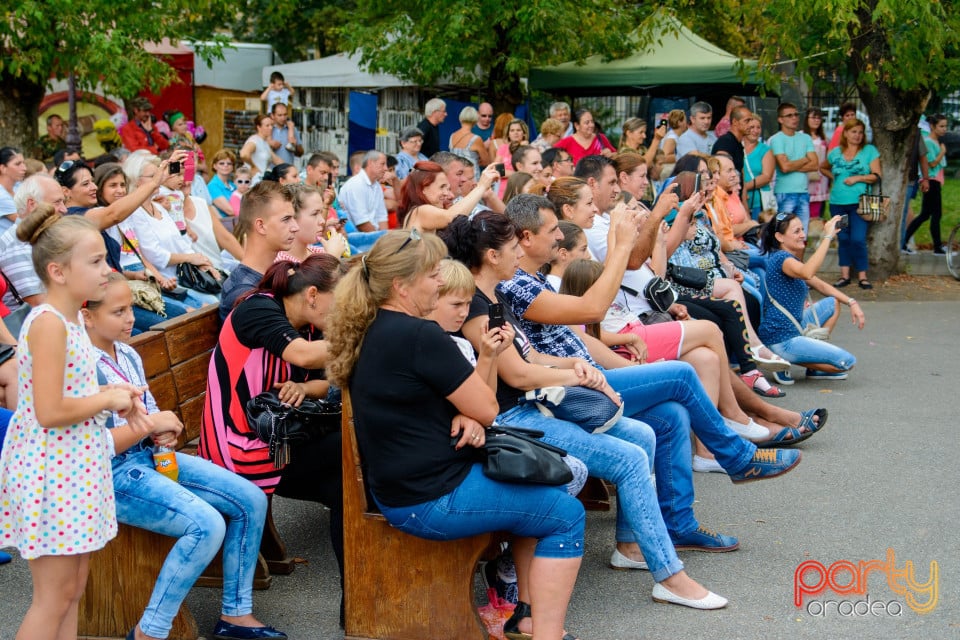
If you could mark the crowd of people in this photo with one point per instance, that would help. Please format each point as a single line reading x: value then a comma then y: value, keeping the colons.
x: 668, y: 274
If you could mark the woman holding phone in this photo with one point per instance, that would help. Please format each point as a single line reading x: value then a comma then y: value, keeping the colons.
x: 854, y: 167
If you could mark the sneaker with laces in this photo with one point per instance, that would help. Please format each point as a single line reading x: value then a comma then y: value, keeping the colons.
x: 767, y: 463
x: 783, y: 377
x: 703, y: 539
x: 501, y: 575
x: 825, y: 375
x: 907, y: 251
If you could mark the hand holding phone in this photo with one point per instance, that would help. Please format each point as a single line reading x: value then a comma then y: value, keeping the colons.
x: 501, y: 169
x: 663, y: 123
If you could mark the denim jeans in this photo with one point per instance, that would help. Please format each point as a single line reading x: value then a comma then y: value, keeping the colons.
x: 852, y: 239
x: 480, y: 505
x: 803, y: 350
x: 621, y: 455
x: 192, y: 511
x: 798, y: 203
x: 912, y: 187
x: 645, y: 386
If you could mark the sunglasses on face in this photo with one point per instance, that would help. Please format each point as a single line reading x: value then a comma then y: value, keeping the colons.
x: 244, y: 181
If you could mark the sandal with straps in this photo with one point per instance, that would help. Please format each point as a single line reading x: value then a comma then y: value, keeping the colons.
x: 865, y: 284
x: 841, y: 283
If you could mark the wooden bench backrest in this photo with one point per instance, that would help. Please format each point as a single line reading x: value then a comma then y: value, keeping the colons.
x: 355, y: 493
x: 176, y: 357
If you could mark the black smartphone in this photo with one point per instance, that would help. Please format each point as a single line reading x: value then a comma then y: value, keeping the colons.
x: 329, y: 180
x: 174, y: 168
x: 663, y: 123
x: 696, y: 183
x: 495, y: 311
x: 842, y: 223
x: 501, y: 169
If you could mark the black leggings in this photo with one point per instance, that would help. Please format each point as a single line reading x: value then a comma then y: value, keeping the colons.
x: 931, y: 210
x: 314, y: 474
x: 727, y: 315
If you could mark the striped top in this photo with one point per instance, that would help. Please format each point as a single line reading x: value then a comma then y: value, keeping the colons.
x: 246, y: 362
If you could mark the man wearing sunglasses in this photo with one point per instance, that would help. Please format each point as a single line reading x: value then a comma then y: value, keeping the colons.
x: 795, y: 156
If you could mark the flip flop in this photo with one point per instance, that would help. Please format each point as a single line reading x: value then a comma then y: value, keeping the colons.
x: 786, y: 437
x: 806, y: 419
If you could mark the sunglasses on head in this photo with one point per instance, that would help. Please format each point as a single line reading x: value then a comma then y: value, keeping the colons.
x: 413, y: 237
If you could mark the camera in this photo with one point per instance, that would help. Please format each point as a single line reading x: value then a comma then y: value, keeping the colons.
x: 495, y: 312
x: 663, y: 123
x: 174, y: 168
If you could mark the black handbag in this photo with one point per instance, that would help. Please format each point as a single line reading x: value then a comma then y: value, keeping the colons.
x: 689, y: 277
x: 659, y: 294
x: 193, y: 277
x: 278, y: 423
x: 512, y: 454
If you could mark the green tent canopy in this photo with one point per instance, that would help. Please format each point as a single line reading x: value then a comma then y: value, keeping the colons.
x: 680, y: 58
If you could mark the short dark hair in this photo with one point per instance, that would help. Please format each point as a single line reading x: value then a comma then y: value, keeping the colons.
x: 784, y: 106
x: 276, y: 75
x: 592, y: 167
x: 524, y: 211
x: 273, y: 107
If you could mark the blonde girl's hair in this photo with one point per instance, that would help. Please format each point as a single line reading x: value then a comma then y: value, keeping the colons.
x: 298, y: 196
x: 397, y: 255
x: 565, y: 191
x: 577, y: 278
x: 456, y: 278
x: 52, y: 235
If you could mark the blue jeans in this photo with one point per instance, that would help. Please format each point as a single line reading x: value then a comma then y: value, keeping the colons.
x: 852, y: 239
x: 803, y: 350
x: 620, y: 455
x: 798, y: 203
x: 643, y: 387
x: 192, y: 511
x: 481, y: 505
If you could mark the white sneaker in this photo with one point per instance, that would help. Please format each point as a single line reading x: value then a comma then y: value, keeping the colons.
x: 707, y: 465
x: 750, y: 431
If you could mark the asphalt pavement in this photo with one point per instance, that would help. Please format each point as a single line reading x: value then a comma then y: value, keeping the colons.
x: 877, y: 478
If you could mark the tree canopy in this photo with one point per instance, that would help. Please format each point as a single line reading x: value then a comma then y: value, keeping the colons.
x: 293, y: 28
x: 486, y: 43
x: 99, y: 41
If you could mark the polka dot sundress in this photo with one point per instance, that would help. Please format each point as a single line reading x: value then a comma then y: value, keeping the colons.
x: 56, y: 485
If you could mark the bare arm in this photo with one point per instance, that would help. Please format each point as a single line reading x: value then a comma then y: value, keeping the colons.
x: 430, y: 217
x: 807, y: 270
x: 225, y: 239
x: 307, y: 354
x: 106, y: 217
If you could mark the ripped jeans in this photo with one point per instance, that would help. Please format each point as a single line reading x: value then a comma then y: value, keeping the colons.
x: 192, y: 511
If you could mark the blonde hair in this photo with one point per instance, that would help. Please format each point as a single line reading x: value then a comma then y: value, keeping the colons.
x: 578, y: 277
x: 53, y: 237
x: 456, y: 278
x: 367, y: 286
x: 114, y: 276
x: 552, y: 127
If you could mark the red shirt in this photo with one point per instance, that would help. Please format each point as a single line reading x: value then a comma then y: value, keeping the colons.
x: 135, y: 137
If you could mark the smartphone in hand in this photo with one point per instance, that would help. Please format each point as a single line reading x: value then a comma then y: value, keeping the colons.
x: 495, y: 313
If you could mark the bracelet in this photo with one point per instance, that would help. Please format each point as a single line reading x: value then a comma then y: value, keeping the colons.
x: 826, y: 238
x: 851, y: 302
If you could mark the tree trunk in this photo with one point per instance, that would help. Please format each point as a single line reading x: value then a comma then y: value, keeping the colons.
x: 894, y: 115
x: 503, y: 87
x: 19, y: 104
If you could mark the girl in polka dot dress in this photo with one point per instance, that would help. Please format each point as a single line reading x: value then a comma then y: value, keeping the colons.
x: 56, y: 488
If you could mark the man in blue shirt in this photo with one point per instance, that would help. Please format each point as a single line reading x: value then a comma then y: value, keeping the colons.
x: 285, y: 141
x: 795, y: 157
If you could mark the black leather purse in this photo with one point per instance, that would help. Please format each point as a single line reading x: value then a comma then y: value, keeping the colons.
x: 689, y: 277
x: 659, y: 294
x: 512, y: 454
x: 193, y: 277
x: 278, y: 424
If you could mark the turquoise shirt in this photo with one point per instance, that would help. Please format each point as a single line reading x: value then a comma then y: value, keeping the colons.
x: 933, y: 150
x: 842, y: 168
x: 794, y: 147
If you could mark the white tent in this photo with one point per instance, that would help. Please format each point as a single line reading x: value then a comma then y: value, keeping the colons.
x: 341, y: 70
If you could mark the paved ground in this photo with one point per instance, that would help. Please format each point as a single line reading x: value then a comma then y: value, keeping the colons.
x: 879, y: 476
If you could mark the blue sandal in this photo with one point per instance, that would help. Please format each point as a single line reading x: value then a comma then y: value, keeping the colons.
x: 786, y: 437
x: 806, y: 420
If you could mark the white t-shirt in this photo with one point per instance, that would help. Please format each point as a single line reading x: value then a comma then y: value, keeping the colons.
x: 635, y: 279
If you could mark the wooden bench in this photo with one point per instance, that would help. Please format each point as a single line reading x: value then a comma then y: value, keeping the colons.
x: 176, y: 355
x: 398, y: 586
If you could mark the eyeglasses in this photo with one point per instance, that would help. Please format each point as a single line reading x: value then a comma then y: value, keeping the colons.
x: 790, y: 115
x: 816, y: 115
x: 225, y: 163
x: 243, y: 181
x: 414, y: 236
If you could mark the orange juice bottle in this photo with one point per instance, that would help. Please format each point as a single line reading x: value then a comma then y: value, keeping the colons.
x: 165, y: 462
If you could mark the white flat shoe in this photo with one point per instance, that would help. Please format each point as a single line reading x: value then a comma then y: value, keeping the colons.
x: 707, y: 465
x: 773, y: 363
x: 623, y: 563
x: 710, y: 601
x: 750, y: 431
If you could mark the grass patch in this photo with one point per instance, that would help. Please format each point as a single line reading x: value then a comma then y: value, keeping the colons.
x: 951, y: 212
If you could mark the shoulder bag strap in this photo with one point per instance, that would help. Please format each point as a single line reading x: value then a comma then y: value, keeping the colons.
x: 785, y: 312
x: 13, y: 289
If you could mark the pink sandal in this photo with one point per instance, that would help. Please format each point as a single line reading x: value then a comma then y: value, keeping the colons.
x: 760, y: 386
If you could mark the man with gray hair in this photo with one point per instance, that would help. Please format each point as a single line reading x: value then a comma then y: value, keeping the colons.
x: 361, y: 197
x: 697, y: 137
x: 434, y: 113
x: 16, y: 257
x: 561, y: 111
